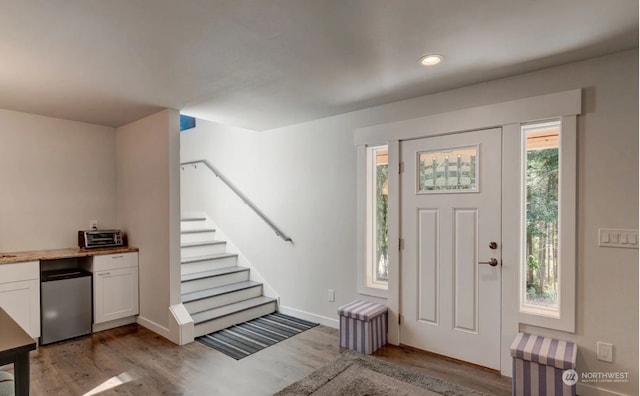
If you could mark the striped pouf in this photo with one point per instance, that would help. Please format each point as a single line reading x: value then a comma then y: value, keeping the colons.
x: 6, y: 384
x: 363, y: 326
x: 539, y: 364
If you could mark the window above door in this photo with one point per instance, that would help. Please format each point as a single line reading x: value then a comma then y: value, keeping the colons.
x: 453, y: 170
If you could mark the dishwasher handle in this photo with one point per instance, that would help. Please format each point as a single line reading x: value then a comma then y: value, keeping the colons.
x: 61, y: 274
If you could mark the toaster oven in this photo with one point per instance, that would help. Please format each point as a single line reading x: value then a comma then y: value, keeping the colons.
x: 92, y: 239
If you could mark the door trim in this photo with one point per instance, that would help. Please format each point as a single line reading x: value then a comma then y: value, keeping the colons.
x: 501, y: 114
x: 564, y: 103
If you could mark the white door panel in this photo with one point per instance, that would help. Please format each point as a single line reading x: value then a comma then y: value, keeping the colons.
x: 450, y: 302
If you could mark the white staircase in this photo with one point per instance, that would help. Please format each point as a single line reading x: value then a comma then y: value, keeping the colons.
x: 215, y: 290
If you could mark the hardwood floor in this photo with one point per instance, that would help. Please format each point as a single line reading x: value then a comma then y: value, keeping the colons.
x: 480, y: 379
x: 139, y: 362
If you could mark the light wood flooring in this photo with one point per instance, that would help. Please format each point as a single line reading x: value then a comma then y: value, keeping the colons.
x: 139, y: 362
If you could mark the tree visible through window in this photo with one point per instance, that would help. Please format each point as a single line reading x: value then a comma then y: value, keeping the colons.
x: 381, y: 210
x: 541, y: 251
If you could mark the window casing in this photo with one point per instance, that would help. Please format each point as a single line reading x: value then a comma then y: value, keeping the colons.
x: 547, y: 247
x: 377, y: 190
x: 540, y: 264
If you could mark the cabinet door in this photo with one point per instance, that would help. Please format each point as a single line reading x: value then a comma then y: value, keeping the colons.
x: 115, y: 294
x: 21, y: 300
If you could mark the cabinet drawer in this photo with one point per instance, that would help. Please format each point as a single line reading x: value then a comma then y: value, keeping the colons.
x: 16, y: 272
x: 114, y: 261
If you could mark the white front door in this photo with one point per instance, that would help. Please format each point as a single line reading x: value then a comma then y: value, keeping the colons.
x: 450, y: 291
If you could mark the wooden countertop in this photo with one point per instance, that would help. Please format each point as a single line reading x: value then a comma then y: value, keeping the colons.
x: 37, y: 255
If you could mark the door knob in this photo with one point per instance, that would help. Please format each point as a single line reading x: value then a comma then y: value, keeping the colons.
x: 493, y: 245
x: 492, y: 262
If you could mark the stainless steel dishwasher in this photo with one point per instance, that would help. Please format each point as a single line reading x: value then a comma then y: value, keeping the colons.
x: 65, y: 304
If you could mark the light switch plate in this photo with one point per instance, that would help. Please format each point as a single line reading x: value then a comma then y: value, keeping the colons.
x: 618, y: 237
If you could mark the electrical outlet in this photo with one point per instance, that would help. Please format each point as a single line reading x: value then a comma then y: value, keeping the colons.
x: 331, y: 295
x: 604, y: 351
x: 93, y: 224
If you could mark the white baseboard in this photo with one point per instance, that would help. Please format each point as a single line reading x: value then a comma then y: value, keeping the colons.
x: 323, y: 320
x: 590, y: 390
x: 180, y: 329
x: 113, y: 324
x: 153, y: 326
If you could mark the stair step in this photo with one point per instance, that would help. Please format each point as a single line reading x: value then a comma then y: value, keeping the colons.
x: 197, y: 230
x: 193, y: 219
x: 230, y: 309
x: 202, y: 248
x: 201, y: 243
x: 208, y: 257
x: 214, y: 278
x: 216, y: 291
x: 208, y: 262
x: 197, y: 235
x: 204, y: 300
x: 213, y: 273
x: 222, y: 317
x: 194, y: 225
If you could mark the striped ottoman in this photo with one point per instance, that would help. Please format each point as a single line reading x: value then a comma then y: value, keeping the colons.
x: 6, y: 384
x: 363, y: 326
x: 543, y: 366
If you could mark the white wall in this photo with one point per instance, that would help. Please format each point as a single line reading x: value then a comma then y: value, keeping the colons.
x: 304, y: 182
x: 148, y: 211
x: 55, y: 176
x: 304, y: 178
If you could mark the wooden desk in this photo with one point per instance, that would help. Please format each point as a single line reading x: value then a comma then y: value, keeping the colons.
x: 15, y: 345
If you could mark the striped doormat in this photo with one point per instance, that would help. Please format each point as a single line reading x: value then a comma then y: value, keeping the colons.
x: 249, y: 337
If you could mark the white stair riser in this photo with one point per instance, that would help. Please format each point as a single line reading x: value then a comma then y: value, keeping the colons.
x: 198, y: 237
x: 213, y: 281
x: 223, y: 299
x: 200, y: 266
x: 193, y: 225
x: 204, y: 250
x: 230, y: 320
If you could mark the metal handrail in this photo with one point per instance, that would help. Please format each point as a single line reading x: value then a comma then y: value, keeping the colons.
x: 243, y: 197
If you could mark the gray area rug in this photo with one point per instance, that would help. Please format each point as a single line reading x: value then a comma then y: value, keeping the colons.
x: 354, y: 374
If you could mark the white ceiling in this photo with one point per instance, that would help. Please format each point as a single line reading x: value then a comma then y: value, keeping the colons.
x: 262, y: 64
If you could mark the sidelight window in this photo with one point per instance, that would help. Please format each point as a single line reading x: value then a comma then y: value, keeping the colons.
x: 377, y: 213
x: 548, y: 224
x: 541, y: 246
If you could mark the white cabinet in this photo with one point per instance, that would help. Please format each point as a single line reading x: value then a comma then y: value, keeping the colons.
x: 115, y: 286
x: 20, y: 294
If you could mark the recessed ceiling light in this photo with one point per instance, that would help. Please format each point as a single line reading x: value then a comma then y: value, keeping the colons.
x: 430, y: 60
